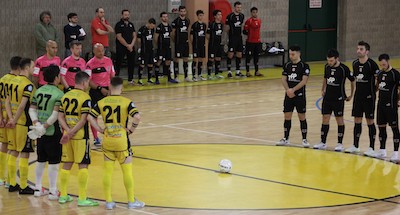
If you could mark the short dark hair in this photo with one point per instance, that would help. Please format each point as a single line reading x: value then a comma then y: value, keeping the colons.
x: 152, y: 21
x: 81, y: 77
x: 97, y: 9
x: 70, y: 15
x: 14, y: 62
x: 181, y: 7
x: 365, y: 44
x: 384, y: 57
x: 44, y: 13
x: 116, y: 81
x: 50, y: 73
x: 332, y: 53
x: 215, y: 12
x: 74, y: 43
x: 295, y: 48
x: 162, y: 13
x: 237, y: 3
x: 125, y: 10
x: 198, y: 12
x: 25, y: 62
x: 253, y: 8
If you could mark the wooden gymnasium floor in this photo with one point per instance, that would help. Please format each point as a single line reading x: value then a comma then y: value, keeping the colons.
x: 187, y: 128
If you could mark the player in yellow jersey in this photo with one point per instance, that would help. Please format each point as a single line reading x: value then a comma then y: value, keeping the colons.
x: 20, y: 93
x: 14, y: 63
x: 72, y: 116
x: 116, y: 111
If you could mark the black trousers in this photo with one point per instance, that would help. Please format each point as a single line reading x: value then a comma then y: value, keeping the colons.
x: 121, y: 53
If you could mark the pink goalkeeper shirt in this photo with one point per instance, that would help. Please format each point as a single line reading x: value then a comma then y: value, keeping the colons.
x: 100, y: 70
x: 69, y: 67
x: 43, y: 62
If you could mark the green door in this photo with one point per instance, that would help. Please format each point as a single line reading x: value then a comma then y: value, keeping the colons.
x: 314, y: 29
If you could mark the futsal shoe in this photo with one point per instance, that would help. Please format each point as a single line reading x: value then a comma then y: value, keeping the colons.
x: 353, y: 150
x: 110, y: 205
x: 150, y: 82
x: 283, y: 142
x: 258, y: 74
x: 381, y: 154
x: 240, y: 75
x: 87, y: 203
x: 157, y: 82
x: 305, y: 143
x: 395, y: 157
x: 320, y: 146
x: 230, y: 75
x: 172, y: 81
x: 370, y: 152
x: 26, y: 191
x: 39, y: 193
x: 54, y: 197
x: 248, y: 74
x: 65, y: 199
x: 187, y: 79
x: 194, y: 79
x: 339, y: 148
x: 135, y: 204
x: 202, y: 78
x: 140, y: 82
x: 219, y: 76
x: 13, y: 188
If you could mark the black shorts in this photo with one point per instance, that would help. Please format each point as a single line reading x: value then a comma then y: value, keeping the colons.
x: 290, y: 103
x: 235, y: 45
x: 28, y: 148
x: 366, y: 106
x: 215, y: 51
x: 147, y: 58
x: 96, y: 95
x: 387, y: 115
x: 252, y: 49
x: 337, y: 107
x: 199, y: 51
x: 49, y: 149
x: 164, y: 54
x: 182, y: 50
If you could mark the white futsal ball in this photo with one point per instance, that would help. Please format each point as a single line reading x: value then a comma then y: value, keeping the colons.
x: 225, y: 166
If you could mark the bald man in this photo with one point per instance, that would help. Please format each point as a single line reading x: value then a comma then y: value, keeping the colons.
x: 101, y: 70
x: 44, y: 61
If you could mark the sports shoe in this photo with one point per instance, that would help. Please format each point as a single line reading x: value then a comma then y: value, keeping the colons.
x: 39, y: 193
x: 370, y: 153
x: 201, y: 78
x: 194, y: 79
x: 26, y: 191
x: 132, y: 82
x: 230, y: 75
x: 240, y: 75
x: 65, y: 199
x: 258, y: 74
x: 352, y: 149
x: 211, y: 78
x: 53, y: 196
x: 339, y: 147
x: 381, y: 154
x: 177, y: 80
x: 110, y: 205
x: 187, y: 79
x: 172, y: 81
x: 320, y: 146
x: 13, y: 188
x: 283, y: 142
x: 305, y: 143
x: 135, y: 204
x: 157, y: 82
x: 219, y: 76
x: 248, y: 74
x: 140, y: 82
x: 150, y: 82
x: 395, y: 157
x: 87, y: 203
x: 6, y: 185
x: 97, y: 142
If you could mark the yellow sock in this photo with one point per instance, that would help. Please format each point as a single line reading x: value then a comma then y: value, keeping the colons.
x: 108, y: 170
x: 64, y: 178
x: 82, y: 183
x: 12, y: 170
x: 3, y: 163
x: 23, y: 172
x: 128, y: 181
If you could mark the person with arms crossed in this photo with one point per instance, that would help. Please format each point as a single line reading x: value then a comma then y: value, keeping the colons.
x: 72, y: 65
x: 115, y: 111
x: 294, y: 79
x: 74, y: 109
x: 44, y: 61
x: 100, y: 29
x: 252, y: 29
x: 334, y: 95
x: 72, y: 31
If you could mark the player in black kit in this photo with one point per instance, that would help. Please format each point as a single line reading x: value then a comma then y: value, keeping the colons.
x: 146, y: 57
x: 333, y: 91
x: 294, y: 79
x: 234, y: 23
x: 198, y: 40
x: 388, y: 82
x: 364, y: 70
x: 180, y: 33
x: 215, y: 50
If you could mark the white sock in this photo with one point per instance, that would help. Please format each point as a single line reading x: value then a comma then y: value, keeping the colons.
x: 39, y: 174
x: 396, y: 153
x: 53, y: 173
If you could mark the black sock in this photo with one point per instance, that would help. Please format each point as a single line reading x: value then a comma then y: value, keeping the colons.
x: 149, y: 72
x: 396, y: 136
x: 248, y: 58
x: 356, y: 134
x: 140, y: 72
x: 340, y: 133
x: 185, y: 69
x: 256, y: 68
x: 166, y: 71
x: 176, y: 69
x: 286, y: 128
x: 303, y: 127
x: 156, y: 71
x: 372, y: 135
x: 324, y: 132
x: 229, y: 63
x: 194, y: 64
x: 217, y: 66
x: 209, y: 67
x: 199, y: 68
x: 238, y: 60
x: 382, y: 137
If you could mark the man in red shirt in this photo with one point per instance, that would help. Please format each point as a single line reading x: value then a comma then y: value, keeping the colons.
x: 252, y: 28
x: 72, y: 65
x: 44, y: 61
x: 100, y: 30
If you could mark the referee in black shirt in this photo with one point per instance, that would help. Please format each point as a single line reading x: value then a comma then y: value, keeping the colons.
x: 125, y: 44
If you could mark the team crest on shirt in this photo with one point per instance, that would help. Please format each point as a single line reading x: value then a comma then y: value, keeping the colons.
x: 30, y: 88
x: 382, y: 85
x: 360, y: 77
x: 331, y: 80
x: 292, y: 77
x: 307, y: 71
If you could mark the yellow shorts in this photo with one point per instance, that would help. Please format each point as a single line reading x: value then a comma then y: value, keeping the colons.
x: 19, y: 140
x: 76, y: 151
x: 3, y: 135
x: 11, y: 137
x: 119, y: 156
